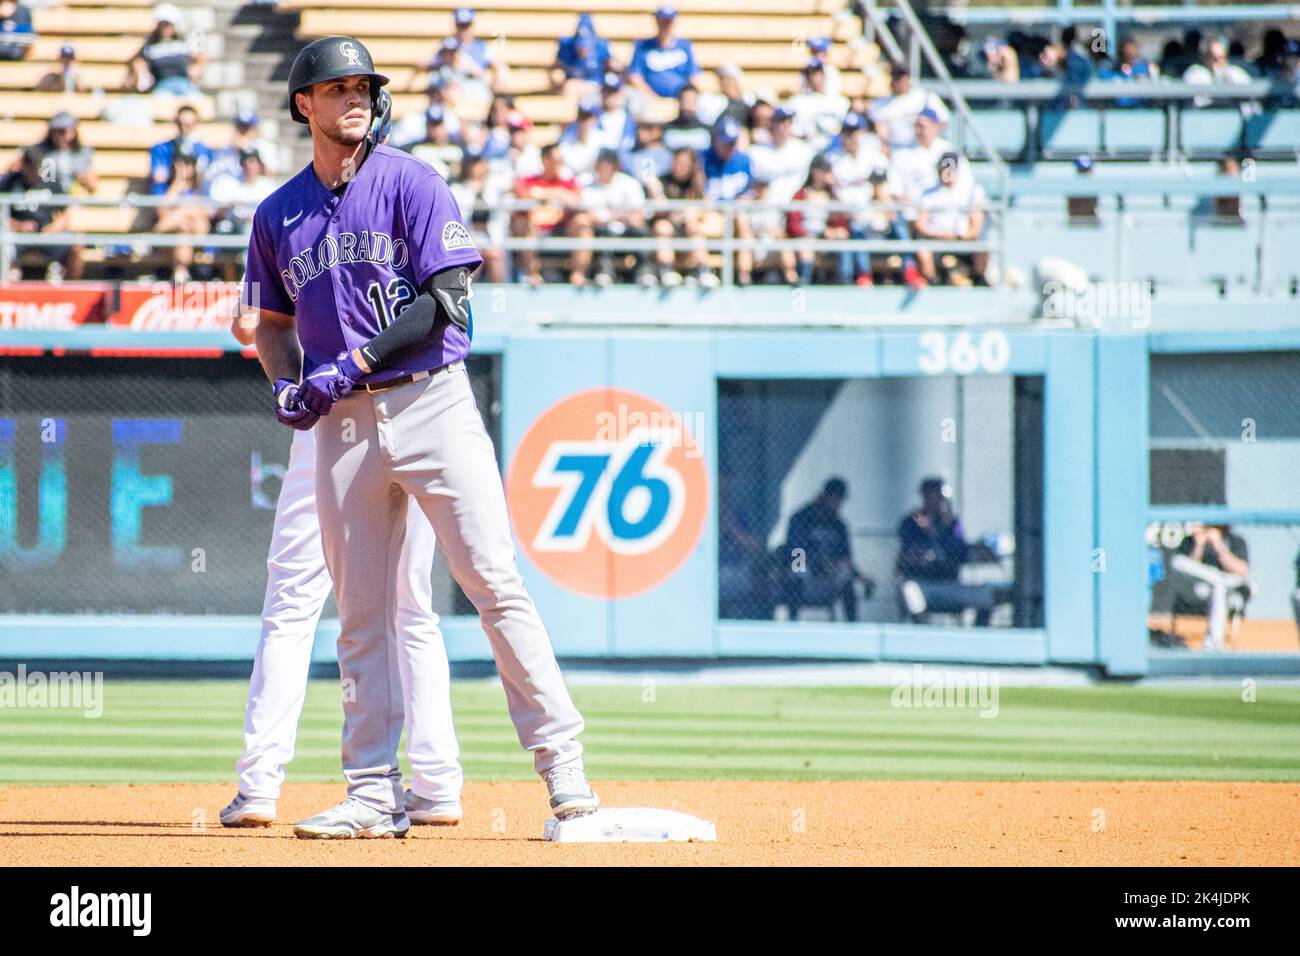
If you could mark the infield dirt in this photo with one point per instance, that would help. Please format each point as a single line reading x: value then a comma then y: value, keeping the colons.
x: 758, y: 823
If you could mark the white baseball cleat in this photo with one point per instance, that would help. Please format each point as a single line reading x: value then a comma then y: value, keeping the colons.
x: 571, y: 795
x: 246, y: 811
x: 353, y: 820
x: 425, y: 812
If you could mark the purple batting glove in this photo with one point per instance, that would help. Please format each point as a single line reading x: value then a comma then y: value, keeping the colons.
x: 288, y: 410
x: 329, y: 383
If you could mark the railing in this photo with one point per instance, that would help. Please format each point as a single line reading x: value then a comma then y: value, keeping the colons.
x: 727, y: 243
x: 1255, y: 196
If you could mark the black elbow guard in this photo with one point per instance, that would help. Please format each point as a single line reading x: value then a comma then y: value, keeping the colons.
x: 451, y: 289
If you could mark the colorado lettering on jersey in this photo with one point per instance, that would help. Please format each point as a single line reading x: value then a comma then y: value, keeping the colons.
x: 375, y: 247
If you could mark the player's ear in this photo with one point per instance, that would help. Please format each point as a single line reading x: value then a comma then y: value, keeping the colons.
x: 302, y: 100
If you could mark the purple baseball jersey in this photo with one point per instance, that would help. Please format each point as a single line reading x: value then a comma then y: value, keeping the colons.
x: 346, y: 267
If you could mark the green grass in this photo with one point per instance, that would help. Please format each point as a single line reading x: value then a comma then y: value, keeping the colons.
x: 189, y: 731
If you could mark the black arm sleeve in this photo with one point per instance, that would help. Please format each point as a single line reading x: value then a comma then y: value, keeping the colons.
x: 444, y: 295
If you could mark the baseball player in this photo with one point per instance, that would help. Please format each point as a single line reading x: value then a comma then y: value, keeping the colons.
x: 296, y: 588
x: 362, y: 266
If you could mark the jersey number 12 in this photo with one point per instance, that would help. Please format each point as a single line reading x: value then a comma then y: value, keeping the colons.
x: 388, y: 306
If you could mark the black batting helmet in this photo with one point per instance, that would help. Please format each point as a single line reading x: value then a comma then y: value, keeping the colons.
x: 330, y: 58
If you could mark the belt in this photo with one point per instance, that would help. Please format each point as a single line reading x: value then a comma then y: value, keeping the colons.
x: 413, y: 377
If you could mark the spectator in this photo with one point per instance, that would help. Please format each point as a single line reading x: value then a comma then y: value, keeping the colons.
x: 861, y: 175
x: 819, y: 189
x: 1209, y: 572
x: 764, y: 223
x: 1082, y: 210
x: 229, y: 161
x: 499, y: 132
x: 820, y: 50
x: 557, y: 215
x: 161, y: 155
x: 818, y: 114
x: 1076, y: 59
x: 665, y: 63
x: 913, y: 170
x: 730, y: 100
x: 895, y: 115
x: 581, y: 61
x: 931, y: 551
x: 477, y: 194
x: 684, y: 180
x: 238, y: 197
x: 1132, y: 67
x: 817, y: 540
x: 167, y: 63
x: 581, y: 141
x: 727, y: 176
x: 784, y: 161
x: 686, y: 130
x: 523, y: 157
x: 1215, y: 70
x: 760, y: 123
x: 16, y: 31
x: 616, y: 203
x: 437, y: 148
x: 649, y: 158
x: 184, y: 218
x: 998, y: 61
x: 60, y: 158
x: 60, y: 261
x: 1275, y: 55
x: 468, y: 61
x: 615, y: 125
x: 67, y: 76
x: 953, y: 209
x: 410, y: 127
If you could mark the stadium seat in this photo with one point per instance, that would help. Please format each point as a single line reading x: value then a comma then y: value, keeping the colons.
x: 1209, y: 133
x: 1134, y: 133
x: 1220, y: 251
x: 1275, y: 134
x: 1069, y: 132
x: 1006, y: 129
x: 90, y: 106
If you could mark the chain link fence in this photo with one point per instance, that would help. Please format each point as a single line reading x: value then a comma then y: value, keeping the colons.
x: 142, y: 485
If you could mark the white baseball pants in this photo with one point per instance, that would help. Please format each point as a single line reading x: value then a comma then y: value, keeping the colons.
x: 297, y: 586
x: 425, y: 442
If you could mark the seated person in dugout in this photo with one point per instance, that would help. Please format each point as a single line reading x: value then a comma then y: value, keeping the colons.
x: 1207, y: 576
x: 931, y: 552
x: 820, y: 556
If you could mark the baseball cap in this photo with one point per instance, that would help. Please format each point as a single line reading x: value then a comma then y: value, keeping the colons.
x: 434, y: 114
x: 928, y: 113
x: 819, y: 44
x: 451, y: 43
x: 612, y: 81
x: 1083, y: 163
x: 727, y: 130
x: 166, y: 13
x: 436, y: 82
x: 464, y: 16
x: 589, y: 105
x: 815, y: 65
x: 607, y: 155
x: 246, y: 118
x: 63, y: 120
x: 666, y: 13
x: 249, y: 152
x: 852, y: 122
x: 781, y: 114
x: 67, y: 51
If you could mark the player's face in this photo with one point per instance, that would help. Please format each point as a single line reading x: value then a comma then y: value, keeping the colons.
x: 340, y: 109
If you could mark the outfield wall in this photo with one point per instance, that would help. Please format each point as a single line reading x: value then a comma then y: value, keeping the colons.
x: 622, y: 554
